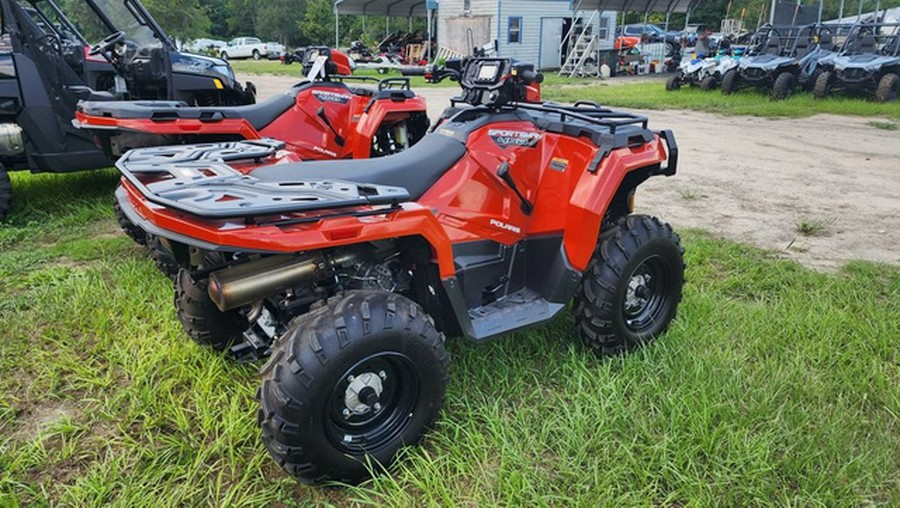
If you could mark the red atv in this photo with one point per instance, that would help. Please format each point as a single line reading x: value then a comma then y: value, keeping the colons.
x: 322, y: 118
x: 354, y: 272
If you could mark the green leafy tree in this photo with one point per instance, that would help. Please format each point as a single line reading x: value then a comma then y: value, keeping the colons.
x: 182, y: 19
x: 242, y: 17
x: 279, y: 20
x: 317, y: 25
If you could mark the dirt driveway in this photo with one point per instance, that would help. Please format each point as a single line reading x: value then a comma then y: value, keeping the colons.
x: 761, y: 181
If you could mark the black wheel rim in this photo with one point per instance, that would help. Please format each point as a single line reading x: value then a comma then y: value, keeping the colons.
x: 646, y: 295
x: 365, y: 426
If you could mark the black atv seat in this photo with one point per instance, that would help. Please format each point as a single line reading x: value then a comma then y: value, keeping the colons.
x: 802, y: 47
x: 773, y: 45
x: 415, y: 169
x: 867, y: 44
x: 259, y: 115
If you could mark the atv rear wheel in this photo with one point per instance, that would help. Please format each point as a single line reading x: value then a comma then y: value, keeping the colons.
x: 201, y: 319
x: 708, y: 83
x: 5, y: 192
x: 784, y: 86
x: 161, y: 256
x: 823, y: 85
x: 350, y: 384
x: 730, y: 82
x: 673, y: 83
x: 130, y: 229
x: 632, y: 287
x: 888, y: 87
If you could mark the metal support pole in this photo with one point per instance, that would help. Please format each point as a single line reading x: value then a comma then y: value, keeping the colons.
x: 687, y: 19
x: 841, y: 11
x: 772, y: 13
x: 819, y: 19
x: 859, y: 12
x: 428, y: 13
x: 668, y: 15
x: 387, y: 26
x: 337, y: 29
x: 410, y: 24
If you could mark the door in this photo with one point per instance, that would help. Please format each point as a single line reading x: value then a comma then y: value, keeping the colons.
x: 551, y: 37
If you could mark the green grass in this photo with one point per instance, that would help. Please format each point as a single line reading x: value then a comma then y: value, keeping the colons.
x: 746, y: 102
x: 275, y: 68
x: 775, y: 386
x: 886, y: 126
x: 811, y: 227
x: 652, y: 95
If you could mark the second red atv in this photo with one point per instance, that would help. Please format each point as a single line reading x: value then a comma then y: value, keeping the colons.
x: 321, y: 118
x: 354, y: 272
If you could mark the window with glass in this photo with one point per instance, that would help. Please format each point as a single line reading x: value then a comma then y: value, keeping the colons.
x: 515, y: 30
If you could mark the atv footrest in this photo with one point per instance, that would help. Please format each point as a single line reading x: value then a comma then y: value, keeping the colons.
x: 520, y: 309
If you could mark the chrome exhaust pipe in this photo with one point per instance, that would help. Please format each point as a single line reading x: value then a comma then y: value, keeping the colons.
x: 250, y: 282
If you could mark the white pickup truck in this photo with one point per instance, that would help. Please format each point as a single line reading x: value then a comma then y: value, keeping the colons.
x: 244, y: 47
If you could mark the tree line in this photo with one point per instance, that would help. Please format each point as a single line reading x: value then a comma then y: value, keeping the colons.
x: 311, y: 22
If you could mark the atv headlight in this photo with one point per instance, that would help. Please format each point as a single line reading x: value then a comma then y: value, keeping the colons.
x: 224, y: 70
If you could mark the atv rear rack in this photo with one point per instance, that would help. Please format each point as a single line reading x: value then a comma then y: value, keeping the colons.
x: 197, y: 179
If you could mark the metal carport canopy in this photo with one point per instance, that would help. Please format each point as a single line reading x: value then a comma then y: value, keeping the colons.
x: 397, y: 8
x: 668, y: 6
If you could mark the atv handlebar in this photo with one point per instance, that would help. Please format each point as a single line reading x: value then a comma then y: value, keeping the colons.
x: 432, y: 73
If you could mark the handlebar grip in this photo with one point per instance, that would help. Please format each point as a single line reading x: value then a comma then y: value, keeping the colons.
x: 531, y: 77
x: 413, y: 71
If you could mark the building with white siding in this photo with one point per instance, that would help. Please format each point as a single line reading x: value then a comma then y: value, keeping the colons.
x: 530, y: 30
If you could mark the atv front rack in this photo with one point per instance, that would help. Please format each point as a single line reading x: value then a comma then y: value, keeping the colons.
x: 197, y: 179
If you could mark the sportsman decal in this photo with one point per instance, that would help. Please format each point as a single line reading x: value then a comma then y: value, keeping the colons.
x: 331, y: 97
x: 505, y: 138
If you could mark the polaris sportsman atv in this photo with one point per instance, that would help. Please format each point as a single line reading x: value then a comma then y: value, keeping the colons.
x: 869, y: 62
x: 782, y: 62
x: 353, y: 272
x: 46, y: 67
x: 320, y: 118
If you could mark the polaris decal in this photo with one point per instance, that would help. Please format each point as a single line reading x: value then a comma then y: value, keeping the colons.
x: 507, y: 227
x: 331, y: 97
x: 319, y: 149
x: 505, y: 138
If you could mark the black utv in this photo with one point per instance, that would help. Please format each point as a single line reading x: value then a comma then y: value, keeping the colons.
x: 47, y: 65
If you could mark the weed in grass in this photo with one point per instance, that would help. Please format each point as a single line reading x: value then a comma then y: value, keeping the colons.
x: 775, y: 385
x: 887, y: 126
x: 689, y: 194
x: 811, y: 227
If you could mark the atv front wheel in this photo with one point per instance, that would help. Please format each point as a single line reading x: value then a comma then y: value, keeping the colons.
x: 823, y: 85
x: 708, y: 83
x: 673, y: 83
x: 632, y: 287
x: 350, y: 384
x: 888, y: 87
x: 784, y: 86
x: 730, y: 82
x: 5, y: 192
x: 201, y: 319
